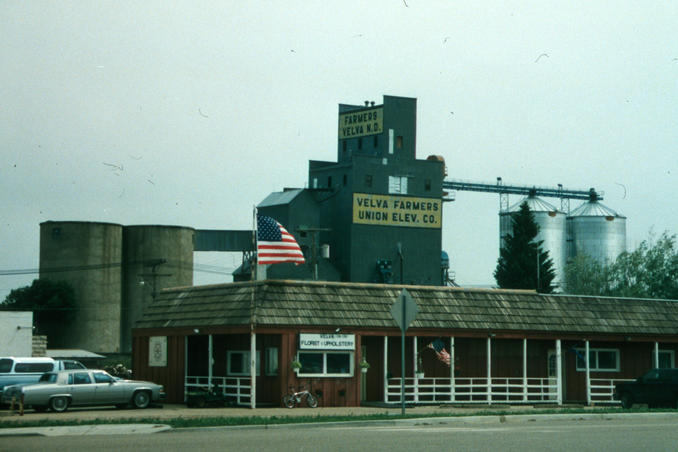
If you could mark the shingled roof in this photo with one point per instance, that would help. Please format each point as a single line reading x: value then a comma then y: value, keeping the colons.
x: 305, y: 303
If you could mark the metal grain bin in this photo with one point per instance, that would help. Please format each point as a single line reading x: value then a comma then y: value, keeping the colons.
x: 88, y: 256
x: 596, y: 230
x: 551, y: 222
x: 154, y: 257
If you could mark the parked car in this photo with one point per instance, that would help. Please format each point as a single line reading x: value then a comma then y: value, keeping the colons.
x: 657, y: 387
x: 59, y: 390
x: 16, y: 370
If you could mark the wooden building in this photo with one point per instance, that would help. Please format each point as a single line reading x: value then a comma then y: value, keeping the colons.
x: 502, y: 346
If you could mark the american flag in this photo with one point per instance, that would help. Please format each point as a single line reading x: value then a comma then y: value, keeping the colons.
x: 274, y: 244
x: 439, y: 347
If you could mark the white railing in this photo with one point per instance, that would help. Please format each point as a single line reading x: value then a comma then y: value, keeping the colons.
x: 602, y: 389
x: 474, y: 390
x: 237, y: 388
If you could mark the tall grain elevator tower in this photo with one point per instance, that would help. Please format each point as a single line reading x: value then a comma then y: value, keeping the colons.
x: 380, y: 207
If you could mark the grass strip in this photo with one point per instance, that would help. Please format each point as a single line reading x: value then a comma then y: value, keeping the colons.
x: 217, y: 421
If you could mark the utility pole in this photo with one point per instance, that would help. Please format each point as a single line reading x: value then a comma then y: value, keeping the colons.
x: 314, y: 246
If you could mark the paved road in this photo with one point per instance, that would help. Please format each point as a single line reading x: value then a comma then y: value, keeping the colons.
x: 522, y: 434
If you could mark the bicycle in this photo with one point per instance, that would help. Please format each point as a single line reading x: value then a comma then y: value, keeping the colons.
x: 294, y: 398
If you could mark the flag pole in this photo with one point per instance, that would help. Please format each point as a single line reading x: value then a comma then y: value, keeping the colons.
x: 253, y: 261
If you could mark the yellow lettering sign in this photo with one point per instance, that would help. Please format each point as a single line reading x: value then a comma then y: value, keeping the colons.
x: 397, y: 211
x: 361, y: 123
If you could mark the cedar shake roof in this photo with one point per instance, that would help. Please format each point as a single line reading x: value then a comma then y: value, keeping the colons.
x: 315, y: 303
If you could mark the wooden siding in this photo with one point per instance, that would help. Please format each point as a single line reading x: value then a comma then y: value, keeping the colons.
x: 170, y: 376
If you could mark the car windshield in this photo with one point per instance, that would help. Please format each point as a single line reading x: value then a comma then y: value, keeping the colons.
x: 48, y: 378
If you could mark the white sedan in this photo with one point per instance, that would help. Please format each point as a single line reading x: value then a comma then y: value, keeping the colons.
x: 82, y: 387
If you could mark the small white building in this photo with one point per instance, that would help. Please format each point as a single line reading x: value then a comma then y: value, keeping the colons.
x: 16, y: 333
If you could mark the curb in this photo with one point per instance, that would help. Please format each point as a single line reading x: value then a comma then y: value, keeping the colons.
x: 437, y: 420
x: 86, y: 430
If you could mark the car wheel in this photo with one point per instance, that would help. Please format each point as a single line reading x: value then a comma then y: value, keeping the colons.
x: 141, y: 399
x: 59, y: 404
x: 626, y: 401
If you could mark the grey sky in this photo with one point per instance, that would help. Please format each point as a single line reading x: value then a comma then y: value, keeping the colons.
x: 189, y: 113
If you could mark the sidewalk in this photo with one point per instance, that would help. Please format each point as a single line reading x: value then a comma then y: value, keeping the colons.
x: 170, y: 411
x: 474, y: 414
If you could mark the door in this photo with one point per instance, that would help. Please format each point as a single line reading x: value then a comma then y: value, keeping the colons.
x: 82, y: 389
x: 108, y: 391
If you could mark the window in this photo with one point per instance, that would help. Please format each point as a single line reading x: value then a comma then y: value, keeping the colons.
x: 48, y: 378
x: 81, y: 378
x: 33, y: 367
x: 271, y: 361
x: 5, y: 365
x: 345, y: 179
x: 238, y: 363
x: 68, y: 365
x: 427, y: 184
x: 600, y: 359
x: 326, y: 364
x: 101, y: 377
x: 329, y: 181
x: 399, y: 142
x: 666, y: 359
x: 376, y: 141
x: 397, y: 185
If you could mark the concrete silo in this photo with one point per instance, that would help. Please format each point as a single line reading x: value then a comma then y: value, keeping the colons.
x: 154, y: 257
x: 88, y: 256
x: 596, y: 230
x: 552, y: 227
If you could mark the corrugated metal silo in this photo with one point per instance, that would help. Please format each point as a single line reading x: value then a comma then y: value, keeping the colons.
x: 87, y: 255
x: 154, y: 257
x: 552, y: 229
x: 596, y: 230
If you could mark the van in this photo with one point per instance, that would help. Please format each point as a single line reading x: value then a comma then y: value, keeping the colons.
x: 14, y: 370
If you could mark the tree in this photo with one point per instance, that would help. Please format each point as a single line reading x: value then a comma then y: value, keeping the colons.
x: 584, y: 275
x: 52, y: 303
x: 650, y: 271
x: 522, y: 263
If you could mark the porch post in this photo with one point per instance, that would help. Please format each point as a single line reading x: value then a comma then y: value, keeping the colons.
x: 525, y: 369
x: 210, y: 359
x: 588, y: 374
x: 185, y: 365
x: 559, y: 373
x: 656, y: 355
x: 416, y: 380
x: 253, y: 369
x: 452, y: 393
x: 385, y: 373
x: 489, y: 370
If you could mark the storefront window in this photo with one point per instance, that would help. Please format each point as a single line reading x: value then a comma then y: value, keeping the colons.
x: 600, y: 359
x: 326, y: 364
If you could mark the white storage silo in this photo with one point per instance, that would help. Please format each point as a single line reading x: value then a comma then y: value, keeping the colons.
x: 596, y: 230
x: 552, y: 224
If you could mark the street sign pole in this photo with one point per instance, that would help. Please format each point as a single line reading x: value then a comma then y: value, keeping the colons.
x: 404, y: 310
x: 402, y: 355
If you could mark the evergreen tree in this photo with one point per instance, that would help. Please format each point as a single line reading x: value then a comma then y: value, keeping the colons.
x: 522, y: 263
